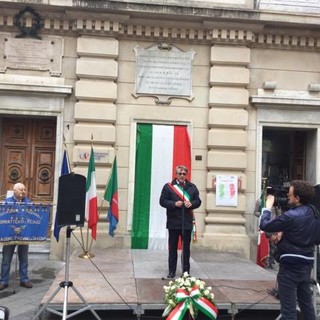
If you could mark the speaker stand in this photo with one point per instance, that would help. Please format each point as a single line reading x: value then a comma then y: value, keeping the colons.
x: 66, y: 284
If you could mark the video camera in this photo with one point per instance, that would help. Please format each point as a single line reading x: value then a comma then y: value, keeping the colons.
x: 280, y: 197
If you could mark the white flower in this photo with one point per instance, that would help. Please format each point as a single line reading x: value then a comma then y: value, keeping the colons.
x: 187, y: 283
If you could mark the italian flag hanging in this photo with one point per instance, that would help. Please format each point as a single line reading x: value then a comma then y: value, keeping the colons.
x: 159, y: 149
x: 91, y: 212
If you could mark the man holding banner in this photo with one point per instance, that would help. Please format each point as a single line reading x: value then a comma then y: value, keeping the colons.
x: 19, y: 197
x: 179, y: 197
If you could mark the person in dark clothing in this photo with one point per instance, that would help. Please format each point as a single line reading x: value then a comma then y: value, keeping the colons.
x: 19, y: 196
x: 179, y: 197
x: 295, y: 249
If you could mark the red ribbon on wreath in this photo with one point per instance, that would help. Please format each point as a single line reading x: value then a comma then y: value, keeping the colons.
x: 192, y: 302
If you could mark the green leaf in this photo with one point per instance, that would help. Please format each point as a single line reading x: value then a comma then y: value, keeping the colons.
x: 166, y: 311
x: 191, y: 310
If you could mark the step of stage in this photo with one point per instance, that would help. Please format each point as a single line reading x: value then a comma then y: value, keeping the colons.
x: 38, y: 250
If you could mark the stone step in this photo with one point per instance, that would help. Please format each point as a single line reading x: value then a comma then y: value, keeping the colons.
x: 37, y: 250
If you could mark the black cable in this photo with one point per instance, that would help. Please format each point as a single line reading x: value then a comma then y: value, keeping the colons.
x: 156, y: 317
x: 237, y: 288
x: 112, y: 287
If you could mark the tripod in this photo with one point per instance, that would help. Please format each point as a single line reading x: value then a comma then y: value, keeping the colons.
x: 66, y: 284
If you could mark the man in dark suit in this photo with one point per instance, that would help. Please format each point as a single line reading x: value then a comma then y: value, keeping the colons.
x: 179, y: 197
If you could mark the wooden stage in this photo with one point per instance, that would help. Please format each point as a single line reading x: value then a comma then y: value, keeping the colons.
x: 123, y: 279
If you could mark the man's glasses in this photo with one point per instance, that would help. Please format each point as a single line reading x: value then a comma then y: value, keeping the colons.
x: 182, y: 174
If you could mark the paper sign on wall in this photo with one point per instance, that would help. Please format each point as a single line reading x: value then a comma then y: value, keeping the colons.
x: 227, y: 191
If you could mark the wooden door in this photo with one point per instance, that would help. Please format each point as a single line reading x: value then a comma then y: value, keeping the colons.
x: 28, y: 153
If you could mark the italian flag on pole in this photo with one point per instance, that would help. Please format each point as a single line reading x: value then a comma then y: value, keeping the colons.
x: 159, y: 149
x: 91, y: 197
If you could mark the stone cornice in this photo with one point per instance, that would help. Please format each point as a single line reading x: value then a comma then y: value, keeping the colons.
x: 116, y: 25
x: 295, y: 100
x: 24, y: 88
x: 33, y: 85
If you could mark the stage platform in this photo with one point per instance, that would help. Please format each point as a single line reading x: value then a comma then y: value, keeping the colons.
x: 123, y: 279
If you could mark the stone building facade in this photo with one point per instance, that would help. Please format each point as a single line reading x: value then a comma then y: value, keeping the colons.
x: 255, y: 95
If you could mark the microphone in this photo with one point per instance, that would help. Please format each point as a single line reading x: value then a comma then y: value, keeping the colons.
x: 182, y: 184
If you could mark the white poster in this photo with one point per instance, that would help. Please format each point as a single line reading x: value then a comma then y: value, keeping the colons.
x: 227, y: 191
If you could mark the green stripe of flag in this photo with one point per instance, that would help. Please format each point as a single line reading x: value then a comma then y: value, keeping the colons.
x: 142, y: 187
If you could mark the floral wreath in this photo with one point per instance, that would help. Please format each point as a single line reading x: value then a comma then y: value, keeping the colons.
x: 188, y: 293
x: 36, y: 23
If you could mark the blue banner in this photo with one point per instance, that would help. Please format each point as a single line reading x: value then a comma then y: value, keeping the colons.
x: 24, y: 222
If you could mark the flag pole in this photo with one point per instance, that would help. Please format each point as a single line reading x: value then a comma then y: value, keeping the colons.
x: 82, y: 239
x: 99, y: 211
x: 86, y: 250
x: 87, y: 245
x: 102, y: 200
x: 111, y: 192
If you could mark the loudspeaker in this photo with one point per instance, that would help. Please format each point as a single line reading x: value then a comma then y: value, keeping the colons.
x: 71, y: 200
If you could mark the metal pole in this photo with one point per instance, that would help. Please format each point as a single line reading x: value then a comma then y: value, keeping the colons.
x: 66, y: 274
x: 182, y: 230
x: 65, y: 285
x: 15, y: 269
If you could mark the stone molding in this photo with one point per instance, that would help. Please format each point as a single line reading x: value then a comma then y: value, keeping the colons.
x: 34, y: 85
x: 119, y: 26
x: 294, y: 100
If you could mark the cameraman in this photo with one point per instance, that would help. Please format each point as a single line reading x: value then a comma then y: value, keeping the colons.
x: 275, y: 211
x: 295, y: 249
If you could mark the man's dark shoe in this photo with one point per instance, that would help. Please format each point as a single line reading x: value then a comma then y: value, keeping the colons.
x: 171, y: 275
x: 27, y: 284
x: 3, y: 286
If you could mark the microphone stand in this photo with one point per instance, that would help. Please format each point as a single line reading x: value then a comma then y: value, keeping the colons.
x: 182, y: 229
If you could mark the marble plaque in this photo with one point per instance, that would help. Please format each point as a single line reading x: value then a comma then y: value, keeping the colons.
x: 163, y: 70
x: 31, y: 54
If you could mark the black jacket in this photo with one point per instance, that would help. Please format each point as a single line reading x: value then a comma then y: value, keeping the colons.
x: 168, y: 199
x: 297, y: 225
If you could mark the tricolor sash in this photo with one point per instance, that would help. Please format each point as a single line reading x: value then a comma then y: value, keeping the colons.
x: 184, y: 195
x: 180, y: 192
